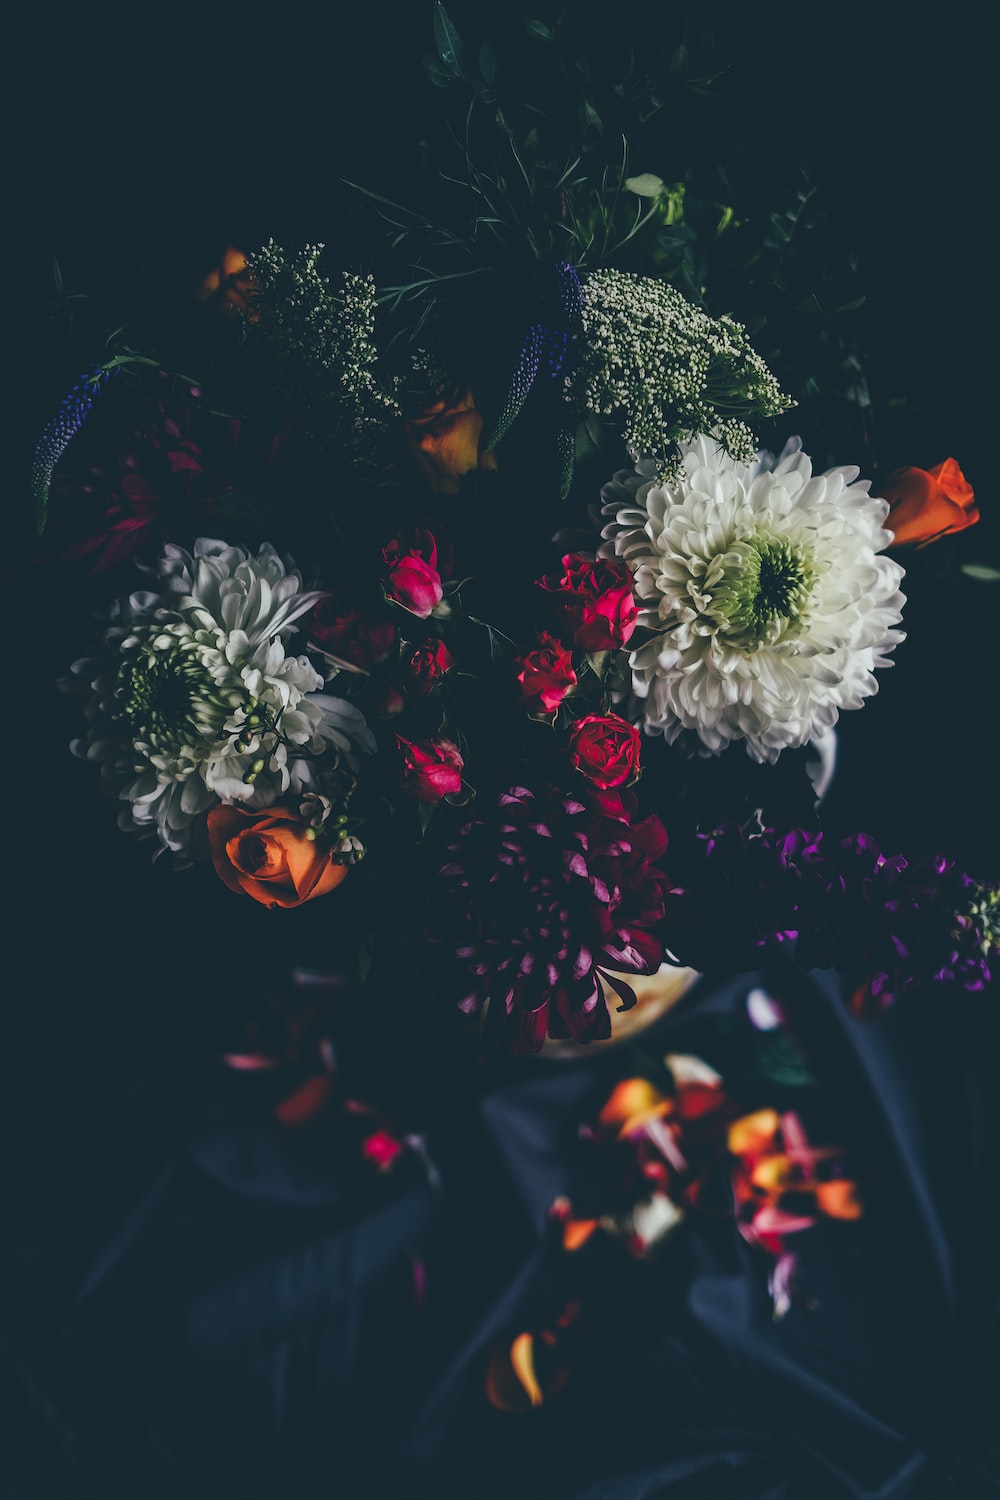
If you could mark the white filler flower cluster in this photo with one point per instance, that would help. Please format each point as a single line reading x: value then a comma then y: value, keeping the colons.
x: 765, y: 605
x: 668, y: 368
x: 194, y: 701
x: 320, y: 344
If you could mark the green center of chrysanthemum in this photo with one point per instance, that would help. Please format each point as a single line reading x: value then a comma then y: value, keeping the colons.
x: 759, y: 590
x: 984, y: 911
x: 169, y: 699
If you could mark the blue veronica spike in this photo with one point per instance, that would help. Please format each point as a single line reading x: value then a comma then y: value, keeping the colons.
x: 524, y: 378
x: 547, y: 345
x: 566, y: 449
x: 73, y: 411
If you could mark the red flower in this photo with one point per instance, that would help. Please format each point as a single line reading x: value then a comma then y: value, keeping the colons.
x: 389, y: 702
x: 431, y: 769
x: 353, y: 633
x: 594, y: 601
x: 605, y: 749
x: 928, y: 503
x: 270, y: 856
x: 411, y: 572
x: 546, y: 674
x: 544, y: 894
x: 425, y: 665
x: 381, y: 1149
x: 171, y: 468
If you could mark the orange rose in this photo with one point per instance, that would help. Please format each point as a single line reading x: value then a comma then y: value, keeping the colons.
x: 269, y: 855
x: 229, y: 282
x: 928, y: 503
x: 444, y: 440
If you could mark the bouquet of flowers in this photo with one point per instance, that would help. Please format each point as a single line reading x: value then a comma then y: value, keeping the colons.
x: 485, y: 575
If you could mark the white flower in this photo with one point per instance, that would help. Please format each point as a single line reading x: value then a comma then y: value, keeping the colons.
x: 194, y: 701
x: 767, y: 605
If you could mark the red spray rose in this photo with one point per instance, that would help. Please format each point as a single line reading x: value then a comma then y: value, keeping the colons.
x: 432, y: 769
x: 425, y: 665
x: 411, y: 575
x: 925, y: 504
x: 605, y: 749
x: 353, y: 633
x: 594, y: 601
x: 546, y: 674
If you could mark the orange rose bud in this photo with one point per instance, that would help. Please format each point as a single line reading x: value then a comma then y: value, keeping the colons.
x: 925, y: 504
x: 269, y: 856
x: 444, y: 440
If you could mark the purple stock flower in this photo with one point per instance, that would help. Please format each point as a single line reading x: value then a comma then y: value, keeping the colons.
x: 843, y: 903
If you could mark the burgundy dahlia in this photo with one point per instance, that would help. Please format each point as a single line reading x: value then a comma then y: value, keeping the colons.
x: 543, y: 896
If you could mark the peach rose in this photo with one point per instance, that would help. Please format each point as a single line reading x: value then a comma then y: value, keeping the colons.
x: 269, y: 855
x: 928, y: 503
x: 444, y: 440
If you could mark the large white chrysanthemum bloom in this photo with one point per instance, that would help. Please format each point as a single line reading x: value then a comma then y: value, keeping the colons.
x: 194, y: 702
x: 767, y: 605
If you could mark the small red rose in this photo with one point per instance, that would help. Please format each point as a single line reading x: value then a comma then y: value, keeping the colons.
x: 411, y: 575
x: 546, y: 674
x: 353, y: 633
x: 381, y: 1149
x: 432, y: 769
x: 594, y: 601
x: 425, y: 665
x: 605, y: 749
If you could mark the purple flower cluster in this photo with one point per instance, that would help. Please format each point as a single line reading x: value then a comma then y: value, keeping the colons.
x: 843, y: 903
x: 541, y: 898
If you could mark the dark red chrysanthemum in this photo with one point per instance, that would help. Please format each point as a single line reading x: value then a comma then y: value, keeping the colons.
x: 544, y: 896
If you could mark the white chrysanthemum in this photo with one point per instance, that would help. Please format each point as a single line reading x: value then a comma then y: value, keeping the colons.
x: 194, y: 701
x: 767, y: 603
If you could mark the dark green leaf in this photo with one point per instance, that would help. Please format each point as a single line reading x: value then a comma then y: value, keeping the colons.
x: 488, y: 62
x: 852, y: 305
x: 501, y: 646
x: 449, y: 43
x: 538, y: 28
x: 435, y: 73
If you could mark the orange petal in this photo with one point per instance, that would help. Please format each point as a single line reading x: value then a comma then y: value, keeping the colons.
x: 632, y: 1099
x: 577, y: 1232
x: 771, y: 1173
x: 753, y: 1134
x: 839, y: 1199
x: 522, y: 1362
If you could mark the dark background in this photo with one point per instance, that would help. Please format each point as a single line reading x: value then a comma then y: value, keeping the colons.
x: 150, y: 1226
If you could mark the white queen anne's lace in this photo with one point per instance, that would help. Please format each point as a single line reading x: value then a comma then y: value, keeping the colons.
x: 194, y: 701
x: 766, y: 603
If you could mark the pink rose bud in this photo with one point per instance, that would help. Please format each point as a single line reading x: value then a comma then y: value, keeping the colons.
x: 432, y: 769
x: 411, y: 575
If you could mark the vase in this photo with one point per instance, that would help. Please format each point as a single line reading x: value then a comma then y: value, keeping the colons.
x: 655, y: 994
